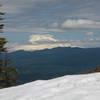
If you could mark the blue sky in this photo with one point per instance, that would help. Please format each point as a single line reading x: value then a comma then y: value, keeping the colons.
x: 40, y: 24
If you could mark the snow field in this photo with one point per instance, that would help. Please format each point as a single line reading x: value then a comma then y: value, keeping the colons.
x: 70, y: 87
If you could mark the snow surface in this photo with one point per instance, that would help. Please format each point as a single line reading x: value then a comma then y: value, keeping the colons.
x: 71, y: 87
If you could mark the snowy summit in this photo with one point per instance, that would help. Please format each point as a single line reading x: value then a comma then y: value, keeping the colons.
x: 70, y: 87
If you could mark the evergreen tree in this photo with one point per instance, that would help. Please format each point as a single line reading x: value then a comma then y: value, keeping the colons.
x: 8, y: 74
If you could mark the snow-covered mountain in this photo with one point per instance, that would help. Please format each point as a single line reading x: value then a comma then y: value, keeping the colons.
x: 71, y: 87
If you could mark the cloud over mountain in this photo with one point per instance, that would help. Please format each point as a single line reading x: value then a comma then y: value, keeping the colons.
x: 39, y: 42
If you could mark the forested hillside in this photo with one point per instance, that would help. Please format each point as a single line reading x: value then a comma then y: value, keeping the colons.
x: 50, y: 63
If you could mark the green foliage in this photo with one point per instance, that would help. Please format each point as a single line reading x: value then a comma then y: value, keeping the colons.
x: 11, y: 74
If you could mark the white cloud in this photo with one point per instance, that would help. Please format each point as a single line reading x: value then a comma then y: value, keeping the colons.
x: 39, y: 42
x: 32, y: 29
x: 85, y: 43
x: 40, y: 46
x: 90, y: 34
x: 94, y: 40
x: 20, y: 12
x: 42, y: 43
x: 41, y: 38
x: 81, y: 24
x: 54, y: 25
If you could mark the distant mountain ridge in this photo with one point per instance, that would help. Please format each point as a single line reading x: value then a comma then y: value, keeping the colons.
x: 51, y: 63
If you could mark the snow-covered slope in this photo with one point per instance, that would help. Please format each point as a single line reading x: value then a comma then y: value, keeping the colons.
x: 74, y: 87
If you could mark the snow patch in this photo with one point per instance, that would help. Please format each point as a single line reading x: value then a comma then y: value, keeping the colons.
x: 70, y: 87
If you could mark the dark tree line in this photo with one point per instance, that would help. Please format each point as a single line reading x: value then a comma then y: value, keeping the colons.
x: 8, y: 73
